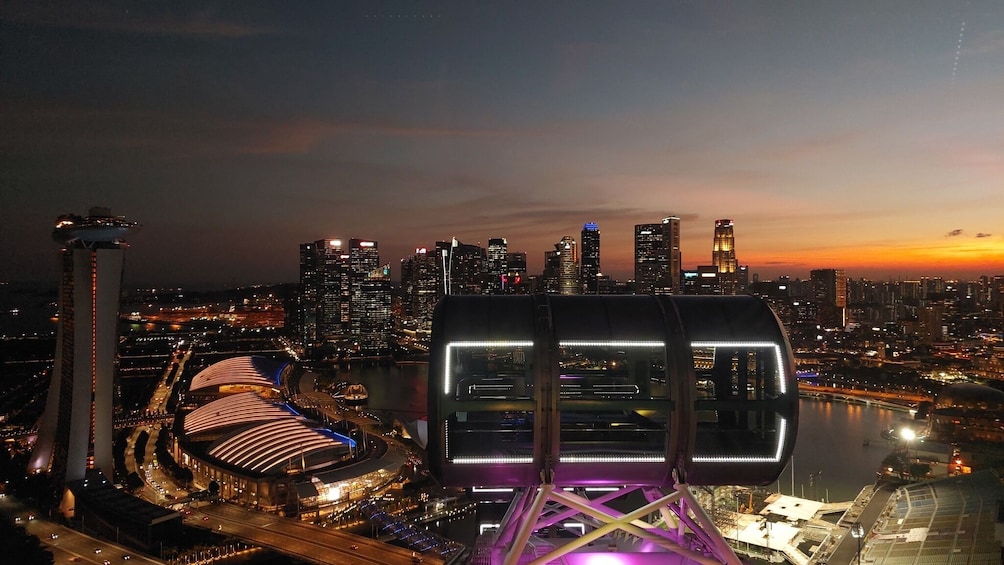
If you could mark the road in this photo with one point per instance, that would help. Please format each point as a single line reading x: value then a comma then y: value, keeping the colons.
x: 71, y: 546
x: 847, y: 551
x: 299, y: 539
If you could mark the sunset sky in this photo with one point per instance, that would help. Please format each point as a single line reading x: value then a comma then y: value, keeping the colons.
x: 862, y: 135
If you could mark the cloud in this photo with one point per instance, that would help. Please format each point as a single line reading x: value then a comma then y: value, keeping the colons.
x: 954, y: 233
x: 981, y: 234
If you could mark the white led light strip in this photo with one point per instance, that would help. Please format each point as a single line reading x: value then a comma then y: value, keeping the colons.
x: 611, y: 344
x: 486, y: 344
x: 491, y: 460
x: 751, y: 345
x: 613, y: 459
x: 781, y: 429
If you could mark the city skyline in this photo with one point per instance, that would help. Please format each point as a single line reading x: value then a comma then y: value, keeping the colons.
x: 851, y: 136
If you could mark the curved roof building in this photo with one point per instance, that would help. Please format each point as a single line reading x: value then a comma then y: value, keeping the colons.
x: 246, y: 432
x: 252, y: 371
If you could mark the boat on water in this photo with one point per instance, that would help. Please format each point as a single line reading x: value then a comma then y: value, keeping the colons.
x: 355, y: 394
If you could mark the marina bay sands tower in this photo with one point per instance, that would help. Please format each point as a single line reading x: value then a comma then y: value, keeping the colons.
x: 75, y: 433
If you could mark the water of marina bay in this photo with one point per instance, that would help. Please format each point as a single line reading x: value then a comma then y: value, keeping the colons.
x: 838, y: 442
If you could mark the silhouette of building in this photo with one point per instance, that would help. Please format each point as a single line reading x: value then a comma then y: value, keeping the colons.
x: 657, y: 257
x: 829, y: 290
x: 590, y: 260
x: 75, y: 433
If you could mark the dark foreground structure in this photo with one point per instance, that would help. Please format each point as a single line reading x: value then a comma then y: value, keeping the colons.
x: 554, y: 395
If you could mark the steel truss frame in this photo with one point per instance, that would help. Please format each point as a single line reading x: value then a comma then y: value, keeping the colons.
x: 684, y: 528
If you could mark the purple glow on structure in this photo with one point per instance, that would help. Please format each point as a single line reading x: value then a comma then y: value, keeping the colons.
x: 662, y: 558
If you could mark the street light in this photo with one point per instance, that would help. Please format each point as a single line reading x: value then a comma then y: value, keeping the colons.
x: 858, y: 532
x: 908, y: 435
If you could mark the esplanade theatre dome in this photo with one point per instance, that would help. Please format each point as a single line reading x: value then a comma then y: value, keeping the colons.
x: 970, y: 396
x: 244, y: 436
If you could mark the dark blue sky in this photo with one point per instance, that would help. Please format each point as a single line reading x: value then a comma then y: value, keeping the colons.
x: 846, y: 134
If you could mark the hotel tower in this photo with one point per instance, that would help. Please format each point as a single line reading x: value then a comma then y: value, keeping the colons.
x: 75, y: 433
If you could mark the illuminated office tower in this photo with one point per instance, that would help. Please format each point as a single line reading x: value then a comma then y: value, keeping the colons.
x: 323, y: 314
x: 75, y: 433
x: 590, y: 270
x: 657, y: 258
x: 419, y: 287
x: 829, y: 289
x: 497, y: 265
x: 305, y: 320
x: 371, y: 309
x: 568, y: 266
x: 516, y: 279
x: 366, y: 286
x: 723, y: 256
x: 461, y: 267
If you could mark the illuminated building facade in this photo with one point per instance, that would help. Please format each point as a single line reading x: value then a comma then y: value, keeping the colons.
x: 516, y: 279
x: 371, y: 310
x: 369, y: 296
x: 461, y: 267
x: 723, y: 256
x: 497, y: 266
x: 657, y: 257
x: 75, y: 433
x: 419, y: 287
x: 590, y: 270
x: 323, y: 309
x: 568, y: 266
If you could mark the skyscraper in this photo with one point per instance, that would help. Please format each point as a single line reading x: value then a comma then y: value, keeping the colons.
x: 323, y: 314
x: 723, y: 256
x: 657, y: 257
x: 829, y: 290
x: 497, y: 267
x: 371, y: 316
x: 461, y: 267
x: 418, y: 285
x: 590, y: 269
x: 516, y: 279
x: 568, y: 266
x: 369, y: 295
x: 75, y: 433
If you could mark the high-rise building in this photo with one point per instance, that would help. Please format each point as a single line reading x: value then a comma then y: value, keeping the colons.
x: 657, y: 257
x: 568, y: 266
x: 333, y: 299
x: 371, y: 304
x: 516, y: 280
x: 549, y: 276
x: 305, y: 321
x: 723, y: 256
x: 75, y: 433
x: 323, y: 310
x: 419, y: 287
x: 590, y: 269
x: 497, y: 265
x: 829, y: 291
x: 461, y: 267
